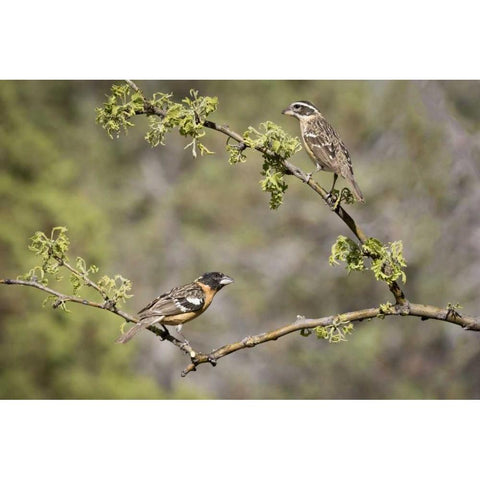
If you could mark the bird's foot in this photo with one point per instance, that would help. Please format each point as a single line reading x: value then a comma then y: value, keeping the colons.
x: 185, y: 342
x: 333, y: 199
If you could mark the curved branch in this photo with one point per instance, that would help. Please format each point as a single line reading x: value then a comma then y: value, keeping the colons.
x: 425, y: 312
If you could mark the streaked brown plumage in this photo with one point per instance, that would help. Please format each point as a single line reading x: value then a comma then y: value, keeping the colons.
x: 180, y: 304
x: 323, y: 144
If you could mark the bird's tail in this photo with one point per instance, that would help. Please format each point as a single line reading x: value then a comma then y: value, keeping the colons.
x: 357, y: 193
x: 127, y: 336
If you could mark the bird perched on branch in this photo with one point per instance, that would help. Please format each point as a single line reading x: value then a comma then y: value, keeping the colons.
x: 180, y: 304
x: 323, y: 144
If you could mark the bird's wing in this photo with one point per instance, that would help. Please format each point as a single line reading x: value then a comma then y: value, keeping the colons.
x: 188, y: 298
x: 327, y: 147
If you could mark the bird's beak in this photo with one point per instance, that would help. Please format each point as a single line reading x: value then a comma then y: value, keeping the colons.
x: 226, y: 280
x: 287, y: 111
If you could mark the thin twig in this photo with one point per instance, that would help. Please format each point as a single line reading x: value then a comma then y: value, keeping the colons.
x: 84, y: 277
x: 134, y: 86
x: 62, y: 298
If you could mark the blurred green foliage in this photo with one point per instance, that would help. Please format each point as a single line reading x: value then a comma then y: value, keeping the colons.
x: 160, y: 218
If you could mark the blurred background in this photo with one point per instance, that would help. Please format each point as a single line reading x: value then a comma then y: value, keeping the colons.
x: 161, y: 218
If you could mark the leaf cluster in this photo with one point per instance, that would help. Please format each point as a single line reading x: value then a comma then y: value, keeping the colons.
x: 116, y: 288
x: 276, y: 147
x: 53, y: 252
x: 386, y: 260
x: 335, y: 332
x: 165, y: 114
x: 385, y: 309
x: 188, y: 116
x: 122, y: 104
x: 343, y: 196
x: 236, y: 154
x: 78, y: 281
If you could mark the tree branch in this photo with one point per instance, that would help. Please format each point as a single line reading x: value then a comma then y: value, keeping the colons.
x: 84, y: 277
x: 107, y: 305
x: 425, y: 312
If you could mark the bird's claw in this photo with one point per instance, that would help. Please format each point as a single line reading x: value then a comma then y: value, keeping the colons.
x: 333, y: 199
x: 212, y: 360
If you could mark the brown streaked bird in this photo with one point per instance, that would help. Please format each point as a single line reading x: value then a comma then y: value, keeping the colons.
x: 323, y: 144
x: 180, y: 304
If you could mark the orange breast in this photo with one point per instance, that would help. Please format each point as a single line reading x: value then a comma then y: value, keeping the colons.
x: 186, y: 317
